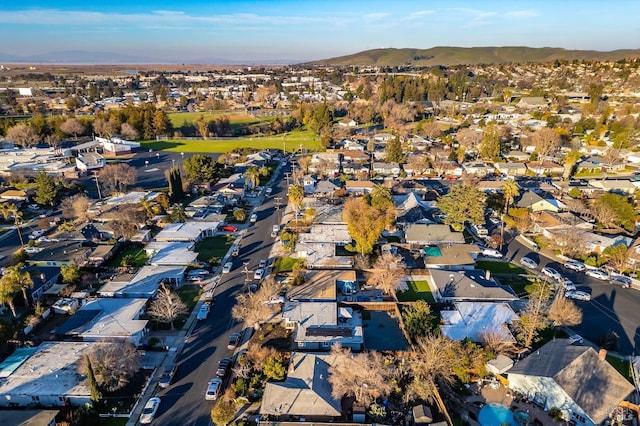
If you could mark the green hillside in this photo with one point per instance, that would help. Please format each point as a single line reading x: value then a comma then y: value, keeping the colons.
x: 470, y: 55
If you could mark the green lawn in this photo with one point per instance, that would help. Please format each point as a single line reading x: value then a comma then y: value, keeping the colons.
x: 139, y: 257
x: 499, y: 267
x: 294, y: 139
x: 622, y: 366
x: 284, y: 264
x: 213, y: 249
x: 189, y: 294
x: 418, y: 290
x: 235, y: 117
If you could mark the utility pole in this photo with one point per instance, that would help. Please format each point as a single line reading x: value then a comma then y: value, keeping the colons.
x: 287, y: 175
x: 246, y: 271
x: 95, y: 174
x: 277, y: 201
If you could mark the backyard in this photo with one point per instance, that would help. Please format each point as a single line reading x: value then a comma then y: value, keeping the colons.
x: 284, y: 264
x: 293, y: 140
x: 129, y: 256
x: 418, y: 290
x: 213, y: 249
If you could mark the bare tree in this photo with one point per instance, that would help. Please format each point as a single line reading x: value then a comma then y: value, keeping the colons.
x: 125, y: 223
x: 563, y: 312
x: 72, y: 126
x: 605, y: 214
x: 23, y: 135
x: 116, y: 177
x: 387, y: 273
x: 469, y: 138
x: 128, y: 131
x: 167, y: 306
x: 75, y: 207
x: 364, y: 376
x: 568, y: 241
x: 419, y: 163
x: 546, y: 141
x: 534, y: 317
x: 497, y: 344
x: 254, y: 308
x: 113, y: 363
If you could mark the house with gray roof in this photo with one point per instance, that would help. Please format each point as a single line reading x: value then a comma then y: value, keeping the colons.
x: 422, y: 234
x: 535, y: 202
x: 468, y: 286
x: 573, y: 378
x: 305, y: 393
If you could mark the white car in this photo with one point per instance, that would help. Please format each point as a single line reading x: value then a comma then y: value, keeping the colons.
x: 262, y: 264
x: 227, y: 267
x: 576, y: 266
x: 529, y: 263
x: 213, y: 389
x: 598, y: 274
x: 489, y: 252
x: 149, y: 410
x: 578, y: 295
x: 567, y: 284
x: 551, y: 273
x: 268, y: 191
x: 258, y: 274
x: 253, y: 218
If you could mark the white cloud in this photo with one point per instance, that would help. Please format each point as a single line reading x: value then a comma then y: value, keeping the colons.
x: 478, y: 17
x: 370, y: 17
x: 417, y: 15
x: 529, y: 13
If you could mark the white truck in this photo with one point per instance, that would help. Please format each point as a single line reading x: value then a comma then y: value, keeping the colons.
x: 274, y: 231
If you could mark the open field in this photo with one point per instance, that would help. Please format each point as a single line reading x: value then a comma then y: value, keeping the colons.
x: 294, y: 139
x: 235, y: 117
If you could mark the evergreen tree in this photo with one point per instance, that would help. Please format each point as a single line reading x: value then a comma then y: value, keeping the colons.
x: 91, y: 379
x: 393, y: 152
x: 45, y: 188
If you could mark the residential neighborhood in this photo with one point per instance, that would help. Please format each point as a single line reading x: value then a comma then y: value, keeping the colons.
x: 451, y: 260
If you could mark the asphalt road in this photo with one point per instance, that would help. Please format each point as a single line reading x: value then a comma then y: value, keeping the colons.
x: 612, y: 308
x: 183, y: 402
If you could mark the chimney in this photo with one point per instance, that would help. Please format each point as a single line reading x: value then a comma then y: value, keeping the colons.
x: 487, y: 275
x: 602, y: 354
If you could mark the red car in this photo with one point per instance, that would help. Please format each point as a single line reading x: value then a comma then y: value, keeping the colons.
x: 229, y: 228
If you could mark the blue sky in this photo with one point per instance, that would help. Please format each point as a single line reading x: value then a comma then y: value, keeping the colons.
x: 306, y: 30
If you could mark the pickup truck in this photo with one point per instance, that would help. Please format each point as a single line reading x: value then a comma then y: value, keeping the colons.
x: 274, y: 231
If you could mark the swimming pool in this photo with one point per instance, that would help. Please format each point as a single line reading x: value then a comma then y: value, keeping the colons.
x: 496, y: 415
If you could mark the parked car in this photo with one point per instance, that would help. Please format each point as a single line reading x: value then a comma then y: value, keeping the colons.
x: 268, y: 191
x: 227, y: 267
x: 253, y: 218
x: 551, y: 273
x: 574, y: 265
x: 229, y: 228
x: 598, y: 274
x: 35, y: 234
x: 263, y: 263
x: 223, y: 367
x: 567, y: 284
x: 149, y: 411
x: 203, y: 313
x: 213, y: 389
x: 578, y: 295
x: 528, y: 262
x: 258, y: 274
x: 234, y: 340
x: 489, y: 252
x: 167, y: 376
x: 621, y: 280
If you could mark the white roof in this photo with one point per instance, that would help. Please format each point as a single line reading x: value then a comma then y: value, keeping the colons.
x: 52, y: 370
x: 133, y: 197
x: 118, y: 318
x: 187, y: 231
x: 473, y: 319
x: 145, y: 283
x: 334, y: 233
x: 171, y: 253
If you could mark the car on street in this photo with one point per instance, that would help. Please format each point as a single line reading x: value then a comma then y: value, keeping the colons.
x: 263, y: 263
x: 213, y: 389
x: 32, y: 250
x: 234, y: 340
x: 528, y: 262
x: 551, y: 273
x: 223, y: 367
x: 268, y: 191
x: 36, y: 234
x: 235, y: 252
x: 227, y: 267
x: 203, y: 313
x: 598, y: 274
x: 575, y: 266
x: 228, y: 228
x: 253, y: 218
x: 258, y: 274
x: 149, y: 411
x: 578, y: 295
x: 567, y: 284
x: 167, y: 376
x: 621, y: 280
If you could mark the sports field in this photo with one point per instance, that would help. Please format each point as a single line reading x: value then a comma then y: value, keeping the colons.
x: 293, y: 141
x: 236, y: 118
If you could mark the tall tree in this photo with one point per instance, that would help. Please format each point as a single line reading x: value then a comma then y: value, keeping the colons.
x: 23, y: 135
x: 167, y: 307
x: 490, y: 146
x: 296, y: 196
x: 253, y: 308
x: 116, y: 177
x: 200, y: 168
x: 252, y: 176
x: 564, y: 313
x: 365, y: 224
x: 510, y: 190
x: 45, y: 189
x: 417, y: 319
x: 570, y: 160
x: 73, y: 127
x: 533, y: 318
x: 9, y: 289
x: 70, y: 273
x: 387, y: 273
x: 546, y: 141
x: 463, y: 203
x: 91, y: 379
x: 17, y: 221
x: 393, y: 152
x: 618, y: 256
x: 113, y: 364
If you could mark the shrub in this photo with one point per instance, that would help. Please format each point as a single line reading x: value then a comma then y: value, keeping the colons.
x: 240, y: 215
x: 556, y: 414
x: 223, y: 412
x: 240, y: 387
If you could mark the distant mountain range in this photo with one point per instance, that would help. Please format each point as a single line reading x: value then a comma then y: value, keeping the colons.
x: 82, y: 57
x: 470, y: 56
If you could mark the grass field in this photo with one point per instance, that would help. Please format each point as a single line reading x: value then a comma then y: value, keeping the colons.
x: 294, y: 140
x: 418, y: 290
x: 284, y: 264
x: 189, y: 294
x: 213, y: 249
x: 236, y: 118
x: 500, y: 267
x: 138, y: 254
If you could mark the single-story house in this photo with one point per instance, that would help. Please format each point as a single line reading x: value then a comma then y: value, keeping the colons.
x: 306, y: 393
x: 107, y: 318
x: 90, y: 161
x: 575, y: 379
x: 386, y: 169
x: 478, y: 168
x: 534, y: 202
x: 348, y: 122
x: 145, y: 283
x: 618, y: 186
x: 359, y: 186
x: 101, y: 254
x: 451, y: 257
x: 325, y: 188
x: 167, y: 253
x: 61, y: 253
x: 422, y: 234
x: 318, y: 325
x: 43, y: 277
x: 187, y: 231
x: 13, y: 195
x: 477, y: 320
x: 512, y: 169
x: 468, y: 286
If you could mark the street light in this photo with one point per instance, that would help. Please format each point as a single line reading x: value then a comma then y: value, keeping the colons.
x: 158, y: 156
x: 146, y: 163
